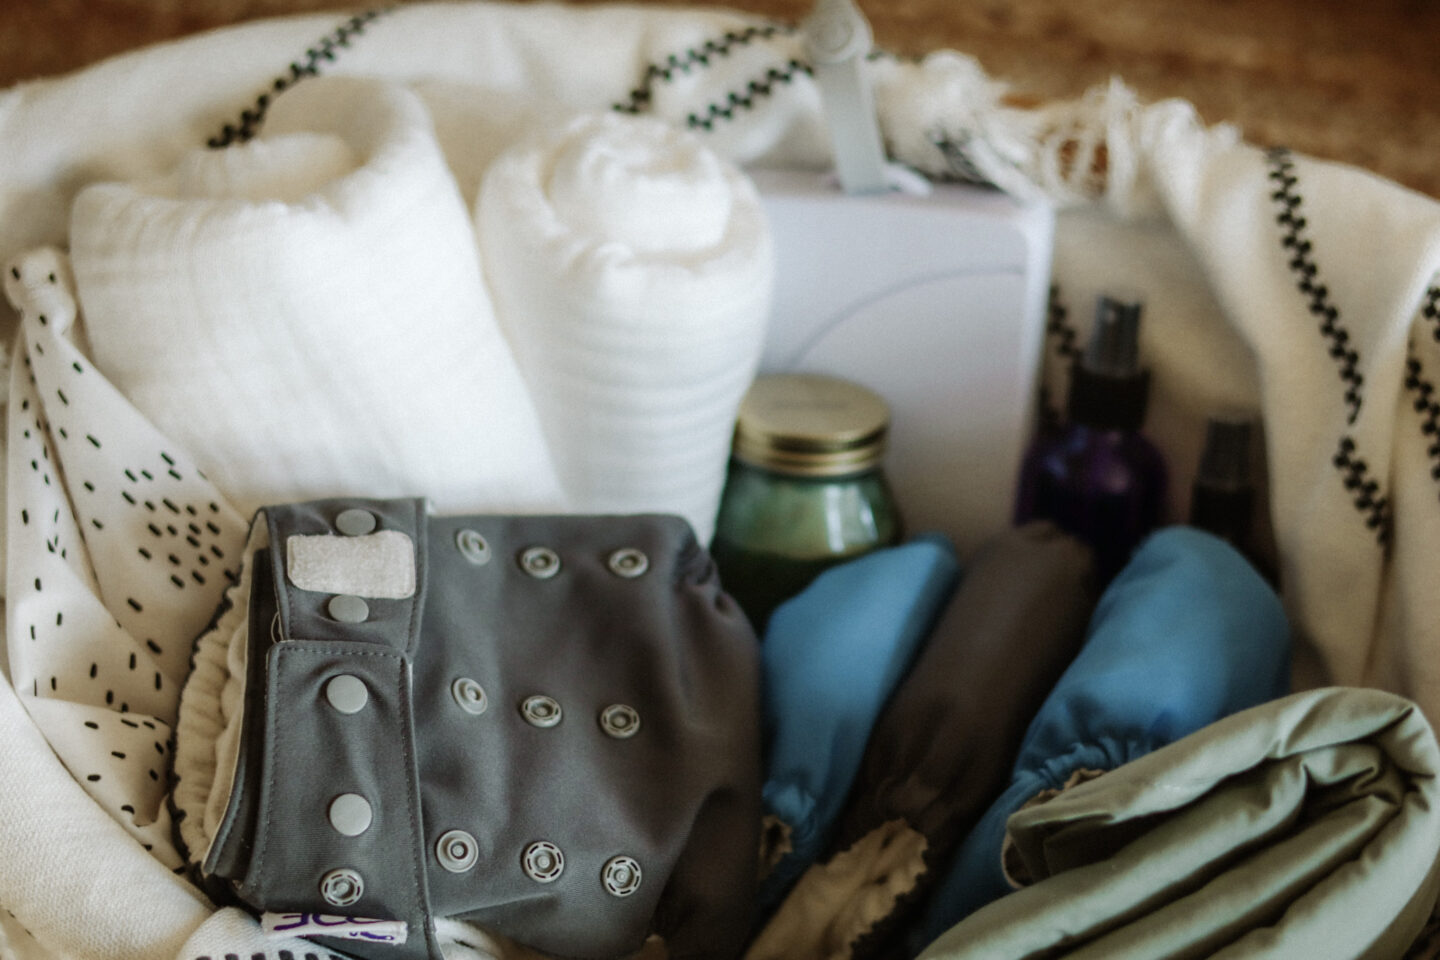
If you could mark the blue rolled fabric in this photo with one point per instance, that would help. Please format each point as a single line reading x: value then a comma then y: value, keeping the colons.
x: 830, y: 659
x: 1187, y: 634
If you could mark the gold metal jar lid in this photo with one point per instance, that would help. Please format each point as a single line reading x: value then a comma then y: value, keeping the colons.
x: 808, y: 425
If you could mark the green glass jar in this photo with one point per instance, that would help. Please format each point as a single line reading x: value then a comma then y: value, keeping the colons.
x: 805, y: 489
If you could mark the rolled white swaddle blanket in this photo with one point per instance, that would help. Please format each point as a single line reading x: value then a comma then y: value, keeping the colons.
x: 632, y: 271
x: 305, y: 313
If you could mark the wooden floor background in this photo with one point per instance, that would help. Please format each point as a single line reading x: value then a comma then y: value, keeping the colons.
x: 1352, y: 81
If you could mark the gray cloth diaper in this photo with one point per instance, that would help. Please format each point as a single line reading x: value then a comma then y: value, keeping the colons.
x: 544, y: 726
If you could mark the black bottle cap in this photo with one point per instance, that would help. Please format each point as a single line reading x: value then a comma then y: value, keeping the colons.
x: 1222, y: 498
x: 1108, y: 389
x: 1225, y: 460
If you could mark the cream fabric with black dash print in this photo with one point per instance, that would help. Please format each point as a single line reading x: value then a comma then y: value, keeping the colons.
x: 118, y: 552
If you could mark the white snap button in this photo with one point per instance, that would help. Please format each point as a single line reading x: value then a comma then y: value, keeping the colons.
x: 620, y: 721
x: 543, y: 861
x: 621, y: 876
x: 470, y: 695
x: 350, y: 814
x: 457, y: 851
x: 342, y: 887
x: 355, y: 523
x: 542, y: 563
x: 347, y: 609
x: 473, y: 547
x: 541, y: 711
x: 347, y: 693
x: 628, y: 563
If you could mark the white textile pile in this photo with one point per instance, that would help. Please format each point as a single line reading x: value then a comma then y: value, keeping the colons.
x: 1304, y: 289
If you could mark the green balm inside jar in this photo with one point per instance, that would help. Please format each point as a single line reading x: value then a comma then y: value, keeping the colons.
x: 805, y: 489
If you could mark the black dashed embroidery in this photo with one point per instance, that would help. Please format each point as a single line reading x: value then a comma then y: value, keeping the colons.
x: 955, y: 149
x: 640, y: 98
x: 1427, y: 406
x: 1430, y: 310
x: 1365, y: 492
x: 754, y: 91
x: 309, y: 66
x: 1302, y: 264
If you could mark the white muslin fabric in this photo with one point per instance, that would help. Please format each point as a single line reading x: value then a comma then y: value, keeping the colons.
x: 304, y: 314
x: 632, y: 269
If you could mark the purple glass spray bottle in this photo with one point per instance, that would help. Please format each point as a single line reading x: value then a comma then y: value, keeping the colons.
x: 1098, y: 477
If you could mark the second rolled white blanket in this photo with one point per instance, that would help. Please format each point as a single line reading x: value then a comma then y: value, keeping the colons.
x: 632, y: 270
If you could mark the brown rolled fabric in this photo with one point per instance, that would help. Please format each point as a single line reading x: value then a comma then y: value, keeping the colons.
x: 944, y: 746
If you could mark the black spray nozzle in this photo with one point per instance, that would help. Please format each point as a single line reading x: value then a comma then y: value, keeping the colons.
x: 1108, y: 390
x: 1114, y: 347
x: 1225, y: 460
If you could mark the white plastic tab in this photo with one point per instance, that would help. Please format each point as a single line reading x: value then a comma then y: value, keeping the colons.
x: 837, y: 40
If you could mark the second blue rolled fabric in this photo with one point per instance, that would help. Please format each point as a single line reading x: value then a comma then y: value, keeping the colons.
x: 1186, y: 634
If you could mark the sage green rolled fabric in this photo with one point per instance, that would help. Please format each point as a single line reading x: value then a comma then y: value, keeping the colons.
x: 1304, y: 828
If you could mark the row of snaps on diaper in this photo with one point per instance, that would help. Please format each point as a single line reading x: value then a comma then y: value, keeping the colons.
x: 542, y: 563
x: 619, y: 720
x: 542, y: 861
